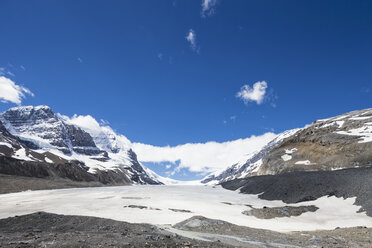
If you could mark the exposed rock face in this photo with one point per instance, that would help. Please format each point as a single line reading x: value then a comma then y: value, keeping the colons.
x: 7, y: 141
x: 343, y: 141
x: 35, y: 142
x: 139, y: 175
x: 30, y: 123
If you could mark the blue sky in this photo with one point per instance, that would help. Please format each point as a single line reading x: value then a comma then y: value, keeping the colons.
x: 129, y: 62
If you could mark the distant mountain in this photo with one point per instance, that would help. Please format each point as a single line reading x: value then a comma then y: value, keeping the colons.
x: 247, y: 166
x: 45, y: 141
x: 344, y: 141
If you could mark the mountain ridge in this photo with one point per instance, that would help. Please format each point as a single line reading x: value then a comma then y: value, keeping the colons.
x: 47, y: 139
x: 339, y: 142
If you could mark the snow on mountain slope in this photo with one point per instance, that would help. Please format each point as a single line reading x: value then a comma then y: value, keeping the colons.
x: 78, y: 138
x: 104, y: 137
x: 43, y: 129
x: 338, y: 142
x: 10, y: 146
x: 249, y: 165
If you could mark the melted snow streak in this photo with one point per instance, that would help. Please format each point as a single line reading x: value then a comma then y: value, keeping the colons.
x: 160, y: 201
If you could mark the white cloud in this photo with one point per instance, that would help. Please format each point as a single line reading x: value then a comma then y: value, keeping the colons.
x: 196, y: 157
x: 11, y: 92
x: 253, y: 94
x: 79, y: 60
x: 202, y: 157
x: 208, y: 7
x: 191, y: 38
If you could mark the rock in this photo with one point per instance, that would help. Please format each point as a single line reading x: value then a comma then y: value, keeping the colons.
x: 180, y: 210
x: 279, y: 212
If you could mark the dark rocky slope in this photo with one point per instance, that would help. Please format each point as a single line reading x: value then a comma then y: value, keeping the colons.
x: 301, y: 186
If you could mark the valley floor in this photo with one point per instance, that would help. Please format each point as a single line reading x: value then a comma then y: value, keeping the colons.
x: 204, y: 213
x: 172, y: 204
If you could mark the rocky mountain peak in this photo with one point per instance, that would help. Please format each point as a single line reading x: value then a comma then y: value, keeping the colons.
x: 30, y: 113
x: 40, y: 127
x: 37, y: 134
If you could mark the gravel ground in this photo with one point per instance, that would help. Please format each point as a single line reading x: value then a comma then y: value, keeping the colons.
x: 51, y: 230
x: 12, y: 184
x: 252, y: 237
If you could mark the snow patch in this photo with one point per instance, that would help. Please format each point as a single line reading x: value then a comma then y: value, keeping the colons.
x: 286, y: 157
x: 340, y: 123
x: 48, y: 160
x: 291, y: 151
x: 6, y: 144
x: 365, y: 133
x: 21, y: 154
x: 305, y: 162
x: 359, y: 118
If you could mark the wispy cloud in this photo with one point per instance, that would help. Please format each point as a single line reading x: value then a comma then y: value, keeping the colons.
x: 208, y: 7
x: 11, y: 92
x: 160, y: 56
x: 191, y: 38
x: 80, y: 60
x: 256, y: 93
x: 366, y: 90
x: 4, y: 71
x: 202, y: 157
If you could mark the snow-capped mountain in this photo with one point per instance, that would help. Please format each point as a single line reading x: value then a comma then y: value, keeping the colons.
x: 344, y: 141
x: 249, y: 165
x: 97, y: 147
